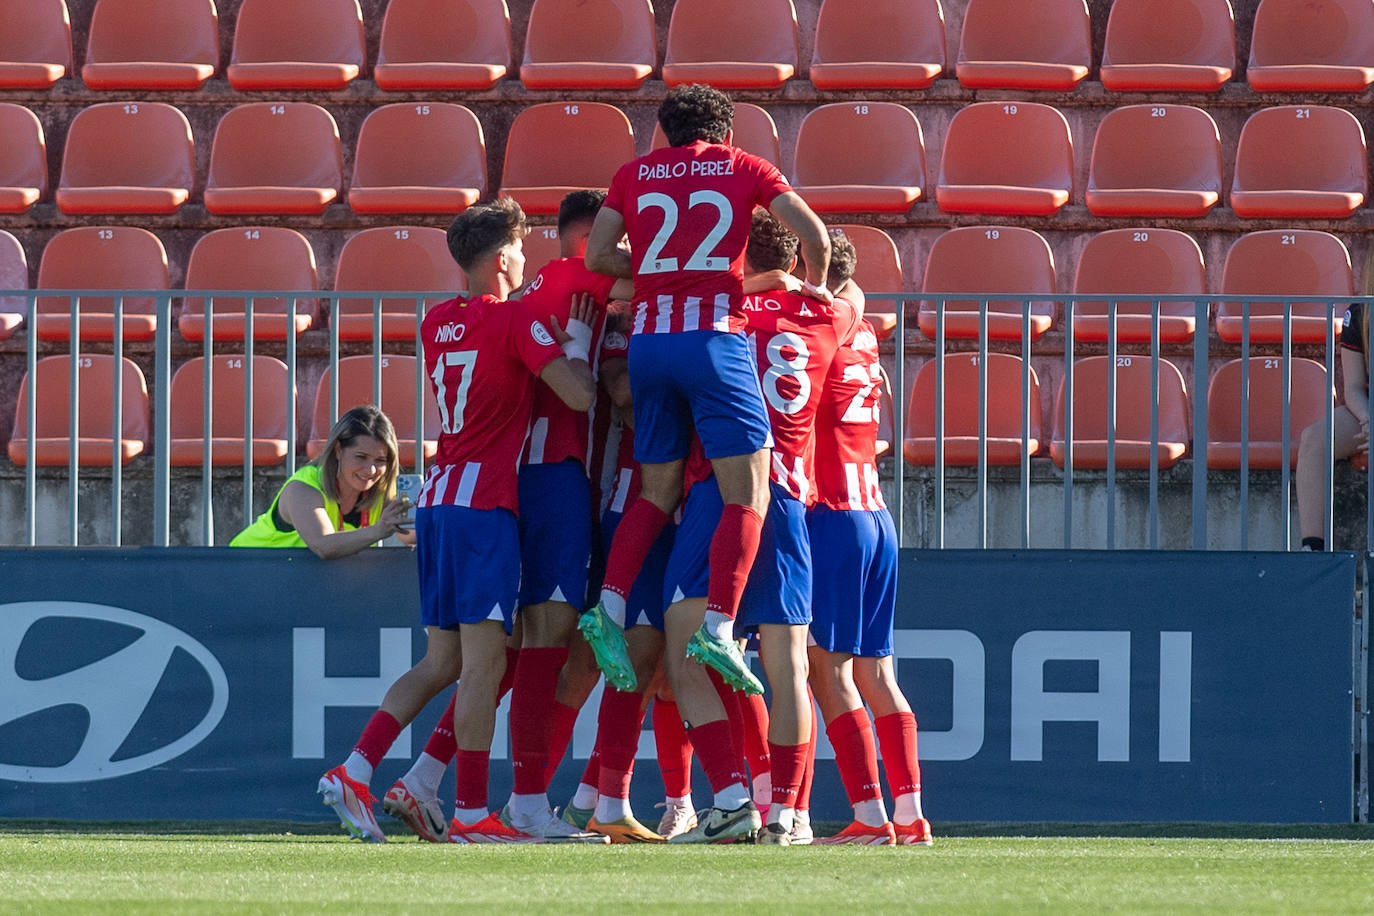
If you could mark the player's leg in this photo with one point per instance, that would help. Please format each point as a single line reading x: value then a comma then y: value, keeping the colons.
x: 674, y: 753
x: 782, y: 649
x: 801, y: 827
x: 754, y: 711
x: 617, y: 739
x: 576, y: 681
x: 1311, y: 473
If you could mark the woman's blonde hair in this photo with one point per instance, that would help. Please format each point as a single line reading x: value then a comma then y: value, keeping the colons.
x: 365, y: 420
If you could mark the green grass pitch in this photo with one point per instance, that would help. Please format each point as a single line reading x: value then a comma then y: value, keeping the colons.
x: 43, y: 869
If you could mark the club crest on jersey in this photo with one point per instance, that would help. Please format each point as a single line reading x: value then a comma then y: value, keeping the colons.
x: 540, y: 333
x: 448, y: 333
x: 615, y: 341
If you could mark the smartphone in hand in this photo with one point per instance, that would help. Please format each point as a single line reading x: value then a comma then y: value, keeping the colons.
x: 408, y: 490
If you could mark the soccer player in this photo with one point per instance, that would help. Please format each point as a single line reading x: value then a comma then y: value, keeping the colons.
x: 854, y: 556
x: 686, y: 210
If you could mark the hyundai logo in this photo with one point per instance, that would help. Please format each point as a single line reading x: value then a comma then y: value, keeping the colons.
x: 115, y: 690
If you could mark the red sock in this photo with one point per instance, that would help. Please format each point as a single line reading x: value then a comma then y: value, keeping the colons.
x: 674, y: 750
x: 733, y: 548
x: 856, y: 755
x: 617, y: 739
x: 591, y: 773
x: 536, y: 680
x: 754, y: 716
x: 717, y: 754
x: 471, y: 780
x: 636, y: 533
x: 378, y: 736
x: 507, y: 679
x: 788, y: 765
x: 730, y: 699
x: 804, y: 792
x: 897, y: 737
x: 441, y: 745
x: 560, y: 736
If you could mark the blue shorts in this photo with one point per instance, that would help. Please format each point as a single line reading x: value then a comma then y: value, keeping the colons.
x: 645, y: 603
x: 555, y: 533
x: 469, y: 562
x: 854, y: 594
x: 703, y: 383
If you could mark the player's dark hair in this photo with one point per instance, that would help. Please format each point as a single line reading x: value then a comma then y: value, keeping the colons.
x: 695, y: 112
x: 843, y: 260
x: 772, y: 246
x: 364, y: 420
x: 579, y: 206
x: 483, y: 229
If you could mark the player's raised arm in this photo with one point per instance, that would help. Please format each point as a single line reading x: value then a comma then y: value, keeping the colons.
x: 571, y: 377
x: 794, y: 213
x: 604, y: 254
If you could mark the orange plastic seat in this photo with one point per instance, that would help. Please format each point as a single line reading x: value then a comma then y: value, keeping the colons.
x: 419, y: 157
x: 1155, y: 160
x: 274, y: 157
x: 989, y: 259
x: 1012, y: 44
x: 35, y: 43
x: 1284, y: 262
x: 878, y: 44
x: 23, y: 159
x: 297, y: 44
x: 96, y: 443
x: 397, y: 402
x: 172, y: 44
x: 1300, y: 161
x: 1302, y: 46
x: 110, y: 257
x: 127, y: 157
x: 443, y: 44
x: 589, y: 44
x: 878, y: 270
x: 228, y: 392
x: 1013, y: 158
x: 541, y: 246
x: 250, y: 258
x: 731, y: 45
x: 1090, y: 414
x: 393, y: 258
x: 14, y: 274
x: 1169, y: 46
x: 1309, y: 393
x: 860, y: 156
x: 559, y: 147
x: 1138, y: 262
x: 754, y: 132
x: 1004, y: 398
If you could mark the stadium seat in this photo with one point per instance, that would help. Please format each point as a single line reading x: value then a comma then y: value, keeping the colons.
x: 397, y: 402
x: 541, y: 247
x: 1155, y: 160
x: 731, y: 45
x: 1138, y: 262
x: 1090, y: 412
x: 878, y: 44
x: 393, y: 258
x: 860, y: 156
x: 1302, y: 162
x: 109, y: 257
x: 1004, y: 398
x: 1284, y: 262
x: 14, y: 274
x: 35, y: 43
x: 754, y: 132
x: 127, y: 157
x: 1012, y: 44
x: 171, y: 44
x: 443, y: 44
x: 95, y: 445
x: 297, y: 44
x: 1169, y: 46
x: 1302, y: 46
x: 274, y: 157
x: 989, y: 259
x: 1013, y: 158
x: 23, y: 159
x: 1309, y: 393
x: 878, y: 270
x: 228, y: 391
x: 419, y: 157
x: 559, y: 147
x: 252, y: 258
x: 589, y: 44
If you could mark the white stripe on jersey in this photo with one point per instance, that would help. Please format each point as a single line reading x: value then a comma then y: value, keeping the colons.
x: 721, y: 319
x: 641, y: 316
x: 467, y: 484
x: 691, y: 312
x: 435, y: 486
x: 622, y: 490
x: 663, y: 316
x: 851, y: 479
x: 539, y: 435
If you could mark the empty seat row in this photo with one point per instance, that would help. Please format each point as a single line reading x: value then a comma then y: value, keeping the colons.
x: 1151, y: 45
x: 1014, y: 158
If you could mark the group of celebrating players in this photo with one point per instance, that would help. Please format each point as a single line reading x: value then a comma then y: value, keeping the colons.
x: 744, y: 503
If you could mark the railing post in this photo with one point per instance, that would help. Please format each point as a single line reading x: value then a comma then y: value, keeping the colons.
x: 162, y: 435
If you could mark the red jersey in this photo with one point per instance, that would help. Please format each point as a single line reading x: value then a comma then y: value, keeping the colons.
x: 483, y: 357
x: 687, y: 211
x: 847, y: 427
x: 796, y: 339
x: 623, y: 485
x: 557, y: 432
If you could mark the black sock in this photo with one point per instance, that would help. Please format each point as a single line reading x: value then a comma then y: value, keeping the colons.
x: 1314, y: 543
